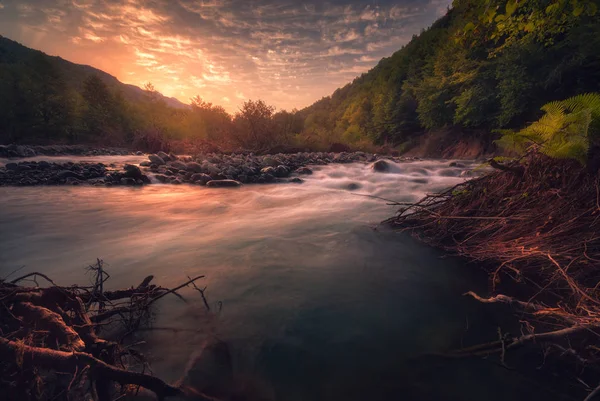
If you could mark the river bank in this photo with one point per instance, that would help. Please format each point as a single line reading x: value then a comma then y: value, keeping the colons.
x: 533, y: 225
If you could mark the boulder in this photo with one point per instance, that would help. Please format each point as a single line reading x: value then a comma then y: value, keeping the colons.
x: 270, y: 161
x: 304, y: 170
x: 223, y: 183
x: 268, y: 170
x: 12, y: 166
x: 161, y: 178
x: 146, y: 164
x: 155, y: 159
x: 132, y: 171
x: 296, y: 180
x: 381, y: 166
x: 201, y: 178
x: 281, y: 171
x: 164, y: 156
x: 194, y: 167
x: 178, y: 165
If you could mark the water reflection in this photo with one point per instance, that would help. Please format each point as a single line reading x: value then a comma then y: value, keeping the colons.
x: 317, y: 304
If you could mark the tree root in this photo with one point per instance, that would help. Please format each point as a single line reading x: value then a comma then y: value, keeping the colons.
x: 537, y: 223
x: 56, y: 329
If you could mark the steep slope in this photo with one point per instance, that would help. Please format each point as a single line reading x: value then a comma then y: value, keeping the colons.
x: 481, y: 67
x: 14, y: 53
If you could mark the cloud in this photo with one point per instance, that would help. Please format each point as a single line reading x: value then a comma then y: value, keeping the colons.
x: 287, y: 52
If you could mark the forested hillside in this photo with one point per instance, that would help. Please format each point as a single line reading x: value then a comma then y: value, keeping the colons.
x: 485, y: 65
x: 48, y: 100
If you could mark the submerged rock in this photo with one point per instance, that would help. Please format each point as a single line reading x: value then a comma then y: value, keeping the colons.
x: 304, y: 170
x: 381, y: 166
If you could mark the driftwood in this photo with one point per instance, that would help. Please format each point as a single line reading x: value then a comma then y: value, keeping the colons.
x: 44, y: 330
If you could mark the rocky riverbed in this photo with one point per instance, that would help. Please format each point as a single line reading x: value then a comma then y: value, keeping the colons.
x: 213, y: 170
x: 30, y: 173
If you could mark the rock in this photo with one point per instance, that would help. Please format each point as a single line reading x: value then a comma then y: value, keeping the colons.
x: 44, y: 165
x: 145, y: 164
x: 281, y: 171
x: 223, y: 183
x: 270, y: 161
x: 132, y: 171
x: 381, y: 166
x: 12, y: 166
x: 155, y: 159
x: 304, y: 170
x: 456, y: 164
x: 194, y: 167
x: 178, y: 165
x: 63, y: 175
x: 73, y: 181
x: 353, y: 186
x: 265, y: 178
x: 296, y: 180
x: 466, y: 173
x: 163, y: 156
x: 201, y: 178
x: 268, y: 170
x: 139, y: 153
x: 161, y: 178
x: 128, y: 181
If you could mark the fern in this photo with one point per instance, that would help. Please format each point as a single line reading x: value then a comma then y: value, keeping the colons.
x: 564, y: 132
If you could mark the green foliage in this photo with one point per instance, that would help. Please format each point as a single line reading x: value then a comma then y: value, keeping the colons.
x: 564, y: 131
x: 486, y: 65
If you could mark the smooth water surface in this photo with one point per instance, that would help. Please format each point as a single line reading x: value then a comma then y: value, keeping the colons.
x: 318, y: 302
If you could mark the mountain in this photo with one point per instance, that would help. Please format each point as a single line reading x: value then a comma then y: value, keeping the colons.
x: 482, y: 67
x: 14, y: 53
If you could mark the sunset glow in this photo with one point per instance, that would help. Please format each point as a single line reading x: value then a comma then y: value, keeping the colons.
x: 285, y: 52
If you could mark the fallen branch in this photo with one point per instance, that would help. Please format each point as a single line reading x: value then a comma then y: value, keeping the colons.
x: 44, y: 358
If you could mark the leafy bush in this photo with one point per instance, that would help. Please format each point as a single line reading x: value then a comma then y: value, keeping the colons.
x: 565, y: 131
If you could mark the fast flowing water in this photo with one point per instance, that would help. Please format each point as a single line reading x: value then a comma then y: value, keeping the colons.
x: 318, y: 302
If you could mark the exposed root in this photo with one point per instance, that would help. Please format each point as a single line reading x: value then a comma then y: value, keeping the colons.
x: 57, y: 329
x: 535, y: 222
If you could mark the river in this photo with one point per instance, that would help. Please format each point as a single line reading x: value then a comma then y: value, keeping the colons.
x: 318, y: 301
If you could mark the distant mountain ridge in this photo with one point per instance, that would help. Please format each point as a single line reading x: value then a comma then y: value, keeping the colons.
x: 12, y: 52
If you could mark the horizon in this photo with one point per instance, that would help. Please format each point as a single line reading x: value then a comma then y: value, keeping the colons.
x: 225, y: 51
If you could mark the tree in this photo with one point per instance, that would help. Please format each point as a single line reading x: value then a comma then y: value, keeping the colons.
x: 254, y: 126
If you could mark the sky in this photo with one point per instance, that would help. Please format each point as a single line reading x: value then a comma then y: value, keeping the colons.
x: 289, y: 53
